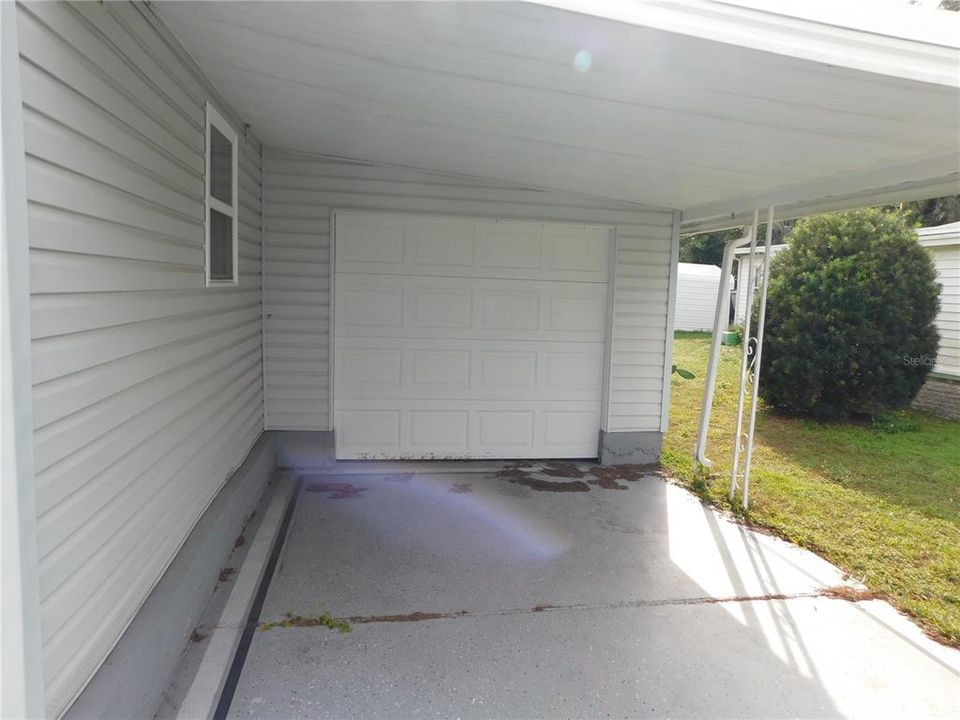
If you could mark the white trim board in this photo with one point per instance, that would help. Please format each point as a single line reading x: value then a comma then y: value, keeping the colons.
x: 21, y: 663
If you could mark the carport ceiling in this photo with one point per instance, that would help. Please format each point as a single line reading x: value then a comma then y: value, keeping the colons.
x: 704, y: 107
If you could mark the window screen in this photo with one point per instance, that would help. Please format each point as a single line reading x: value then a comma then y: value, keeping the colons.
x: 221, y: 166
x: 221, y: 246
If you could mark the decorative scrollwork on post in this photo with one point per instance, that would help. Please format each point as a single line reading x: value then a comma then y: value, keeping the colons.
x: 751, y: 359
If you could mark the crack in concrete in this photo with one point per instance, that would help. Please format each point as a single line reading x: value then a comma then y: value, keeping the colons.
x: 544, y: 607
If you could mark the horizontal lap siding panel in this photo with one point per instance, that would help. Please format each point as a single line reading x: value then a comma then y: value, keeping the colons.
x: 641, y: 298
x: 300, y: 192
x: 147, y: 386
x: 946, y: 259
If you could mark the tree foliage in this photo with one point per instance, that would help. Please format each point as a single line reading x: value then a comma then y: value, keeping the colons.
x: 850, y: 316
x: 935, y: 211
x: 706, y: 248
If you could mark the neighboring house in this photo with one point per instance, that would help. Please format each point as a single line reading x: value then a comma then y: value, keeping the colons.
x: 941, y: 393
x: 238, y: 235
x: 742, y: 274
x: 697, y: 287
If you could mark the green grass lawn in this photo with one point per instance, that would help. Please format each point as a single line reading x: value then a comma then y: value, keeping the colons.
x: 883, y: 505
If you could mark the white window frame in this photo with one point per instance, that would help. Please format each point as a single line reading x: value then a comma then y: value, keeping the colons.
x: 215, y: 119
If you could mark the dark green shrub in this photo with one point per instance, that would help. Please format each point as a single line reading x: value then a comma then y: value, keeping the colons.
x: 850, y: 317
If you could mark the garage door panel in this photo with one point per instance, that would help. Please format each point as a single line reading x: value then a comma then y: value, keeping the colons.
x: 366, y: 305
x: 444, y: 429
x: 505, y: 428
x: 510, y: 245
x: 373, y: 239
x: 435, y: 307
x: 390, y: 368
x: 433, y: 429
x: 445, y: 370
x: 465, y: 308
x: 507, y: 370
x: 461, y: 338
x: 433, y: 243
x: 422, y: 246
x: 371, y: 428
x: 568, y: 312
x: 570, y: 427
x: 501, y: 309
x: 382, y: 367
x: 566, y: 371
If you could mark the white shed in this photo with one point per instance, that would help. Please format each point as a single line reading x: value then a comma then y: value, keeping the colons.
x: 697, y: 286
x: 373, y: 229
x: 941, y: 393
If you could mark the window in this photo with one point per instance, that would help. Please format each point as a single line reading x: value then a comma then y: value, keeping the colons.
x: 221, y: 201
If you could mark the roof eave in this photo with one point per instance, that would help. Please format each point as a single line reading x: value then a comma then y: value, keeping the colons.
x: 934, y: 177
x: 882, y: 44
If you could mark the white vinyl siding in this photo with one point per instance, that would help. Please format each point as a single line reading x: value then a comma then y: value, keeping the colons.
x: 943, y: 244
x: 146, y: 385
x: 947, y: 262
x: 300, y: 191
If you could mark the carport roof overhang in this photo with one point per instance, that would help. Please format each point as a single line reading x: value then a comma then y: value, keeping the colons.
x: 709, y: 108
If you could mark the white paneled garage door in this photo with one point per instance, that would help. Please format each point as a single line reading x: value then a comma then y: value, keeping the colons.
x: 466, y: 338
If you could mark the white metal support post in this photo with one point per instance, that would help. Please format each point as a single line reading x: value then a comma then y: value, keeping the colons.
x: 750, y: 359
x: 746, y: 357
x: 758, y: 354
x: 720, y: 319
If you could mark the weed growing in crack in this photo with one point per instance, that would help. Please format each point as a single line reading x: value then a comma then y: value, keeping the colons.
x: 322, y: 620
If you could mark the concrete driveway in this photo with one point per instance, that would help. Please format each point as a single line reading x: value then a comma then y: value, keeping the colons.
x: 521, y: 594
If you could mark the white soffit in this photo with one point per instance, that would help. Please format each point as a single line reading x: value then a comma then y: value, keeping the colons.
x: 710, y: 108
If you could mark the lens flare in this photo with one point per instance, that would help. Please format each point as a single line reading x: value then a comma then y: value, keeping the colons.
x: 582, y: 61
